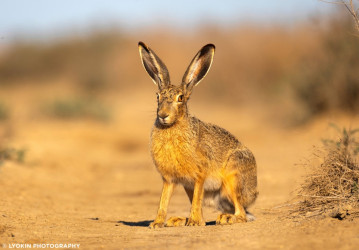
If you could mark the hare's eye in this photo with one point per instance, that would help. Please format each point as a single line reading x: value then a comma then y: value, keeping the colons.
x: 180, y: 98
x: 158, y: 96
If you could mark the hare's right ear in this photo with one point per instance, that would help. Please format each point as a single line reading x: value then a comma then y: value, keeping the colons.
x: 154, y: 66
x: 198, y: 68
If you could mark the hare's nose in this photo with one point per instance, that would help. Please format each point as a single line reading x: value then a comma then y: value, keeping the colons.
x: 163, y: 115
x: 163, y: 118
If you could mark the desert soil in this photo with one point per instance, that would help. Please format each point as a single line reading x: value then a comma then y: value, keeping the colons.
x: 93, y: 183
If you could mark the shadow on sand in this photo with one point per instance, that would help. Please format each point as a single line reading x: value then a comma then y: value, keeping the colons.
x: 146, y: 223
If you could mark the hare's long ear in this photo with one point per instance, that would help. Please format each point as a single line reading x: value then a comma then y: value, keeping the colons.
x: 154, y: 66
x: 198, y: 68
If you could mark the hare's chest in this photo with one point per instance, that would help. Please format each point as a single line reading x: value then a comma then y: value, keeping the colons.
x: 173, y: 155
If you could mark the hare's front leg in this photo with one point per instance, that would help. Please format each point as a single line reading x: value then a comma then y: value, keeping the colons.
x: 167, y: 191
x: 178, y: 221
x: 196, y: 218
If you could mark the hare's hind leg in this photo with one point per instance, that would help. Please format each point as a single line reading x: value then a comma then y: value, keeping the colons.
x: 232, y: 190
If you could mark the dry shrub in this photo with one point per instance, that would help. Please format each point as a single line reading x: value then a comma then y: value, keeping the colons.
x: 11, y: 154
x: 331, y: 187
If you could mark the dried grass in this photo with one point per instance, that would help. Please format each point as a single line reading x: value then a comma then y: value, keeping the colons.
x: 331, y: 186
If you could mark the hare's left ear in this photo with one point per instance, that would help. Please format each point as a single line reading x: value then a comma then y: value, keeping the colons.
x: 198, y: 68
x: 154, y: 66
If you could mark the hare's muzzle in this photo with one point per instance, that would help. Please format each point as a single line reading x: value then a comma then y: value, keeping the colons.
x: 164, y: 118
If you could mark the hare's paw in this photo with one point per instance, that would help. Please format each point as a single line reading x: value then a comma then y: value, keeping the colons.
x: 226, y: 219
x: 229, y: 219
x: 176, y: 222
x: 195, y: 222
x: 157, y: 224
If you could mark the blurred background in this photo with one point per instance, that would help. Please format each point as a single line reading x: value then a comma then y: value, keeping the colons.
x: 67, y: 60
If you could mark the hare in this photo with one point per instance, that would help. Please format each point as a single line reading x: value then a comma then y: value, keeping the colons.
x: 208, y: 161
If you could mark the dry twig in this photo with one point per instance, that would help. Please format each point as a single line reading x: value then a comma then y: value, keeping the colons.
x: 350, y: 7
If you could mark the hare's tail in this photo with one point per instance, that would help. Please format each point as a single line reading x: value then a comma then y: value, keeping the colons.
x: 250, y: 216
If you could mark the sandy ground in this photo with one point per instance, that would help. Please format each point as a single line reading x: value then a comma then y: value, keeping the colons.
x: 94, y: 184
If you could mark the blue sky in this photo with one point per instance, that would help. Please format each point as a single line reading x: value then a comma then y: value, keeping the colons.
x: 29, y: 17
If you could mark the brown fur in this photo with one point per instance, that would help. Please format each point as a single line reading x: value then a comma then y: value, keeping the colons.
x: 211, y: 164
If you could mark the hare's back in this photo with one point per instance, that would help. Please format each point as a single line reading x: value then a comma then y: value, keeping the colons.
x: 216, y: 137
